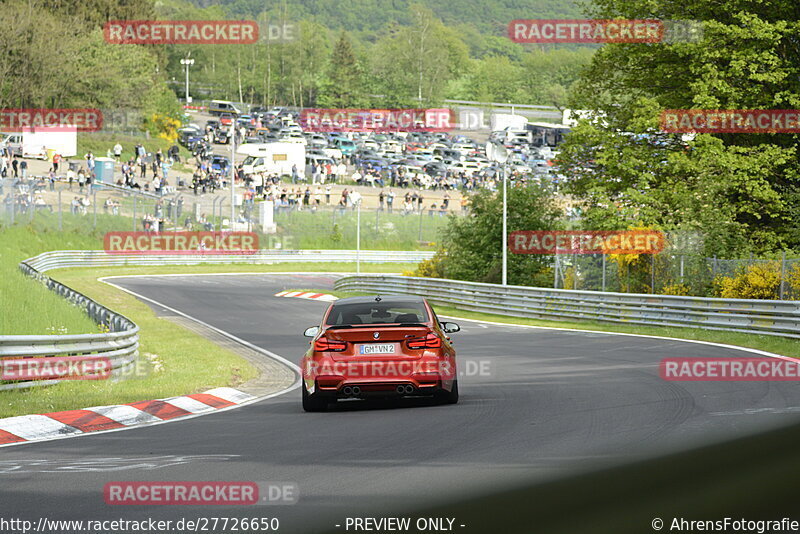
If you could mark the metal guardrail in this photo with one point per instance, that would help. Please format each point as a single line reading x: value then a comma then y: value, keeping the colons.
x: 119, y: 346
x: 766, y: 317
x: 98, y: 258
x: 127, y: 190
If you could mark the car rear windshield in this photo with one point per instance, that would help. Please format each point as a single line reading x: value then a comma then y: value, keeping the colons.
x: 377, y: 313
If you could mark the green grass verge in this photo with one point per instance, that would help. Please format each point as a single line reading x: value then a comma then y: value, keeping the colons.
x: 29, y: 307
x: 783, y: 346
x: 101, y: 143
x: 379, y: 230
x: 176, y: 361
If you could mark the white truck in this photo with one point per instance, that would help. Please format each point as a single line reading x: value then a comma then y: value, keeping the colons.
x: 272, y: 158
x: 507, y: 121
x: 36, y: 142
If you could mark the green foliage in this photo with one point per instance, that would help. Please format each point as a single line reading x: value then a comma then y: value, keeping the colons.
x: 370, y: 16
x: 345, y: 83
x: 416, y: 62
x: 432, y: 268
x: 418, y: 53
x: 739, y: 190
x: 473, y: 245
x: 55, y: 56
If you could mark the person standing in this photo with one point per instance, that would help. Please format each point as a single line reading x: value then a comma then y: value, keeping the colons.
x: 390, y: 201
x: 15, y: 166
x: 117, y: 152
x: 56, y: 161
x: 328, y: 194
x: 23, y: 169
x: 315, y: 168
x: 90, y: 161
x: 381, y: 197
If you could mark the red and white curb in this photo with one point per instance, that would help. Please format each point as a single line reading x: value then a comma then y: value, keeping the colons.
x: 307, y: 295
x: 103, y: 418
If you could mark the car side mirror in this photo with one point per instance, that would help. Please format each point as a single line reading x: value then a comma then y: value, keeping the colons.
x: 311, y: 331
x: 449, y: 328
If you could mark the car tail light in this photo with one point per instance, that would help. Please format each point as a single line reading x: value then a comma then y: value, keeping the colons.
x: 431, y: 341
x: 324, y: 344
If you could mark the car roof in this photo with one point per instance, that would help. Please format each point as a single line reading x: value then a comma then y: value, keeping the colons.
x: 385, y: 299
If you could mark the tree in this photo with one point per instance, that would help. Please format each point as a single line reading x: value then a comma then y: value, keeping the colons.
x: 741, y: 190
x: 345, y: 84
x: 415, y: 63
x: 472, y: 246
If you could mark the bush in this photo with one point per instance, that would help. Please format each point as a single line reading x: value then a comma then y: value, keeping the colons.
x: 431, y: 268
x: 758, y: 281
x: 675, y: 289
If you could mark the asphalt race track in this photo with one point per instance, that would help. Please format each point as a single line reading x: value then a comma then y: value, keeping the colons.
x: 549, y: 403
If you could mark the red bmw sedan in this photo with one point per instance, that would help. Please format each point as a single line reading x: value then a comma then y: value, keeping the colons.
x: 379, y: 347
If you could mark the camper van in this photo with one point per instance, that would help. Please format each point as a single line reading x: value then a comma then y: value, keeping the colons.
x: 272, y: 158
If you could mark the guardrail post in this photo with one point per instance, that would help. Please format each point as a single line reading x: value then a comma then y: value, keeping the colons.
x: 604, y: 273
x: 681, y: 268
x: 783, y: 272
x: 60, y: 216
x: 94, y: 206
x: 652, y: 273
x: 555, y: 271
x: 421, y: 210
x: 134, y: 213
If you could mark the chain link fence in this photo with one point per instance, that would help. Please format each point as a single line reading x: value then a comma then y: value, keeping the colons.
x: 63, y: 206
x: 680, y: 274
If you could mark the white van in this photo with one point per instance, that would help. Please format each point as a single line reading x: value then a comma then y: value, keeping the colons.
x: 272, y: 158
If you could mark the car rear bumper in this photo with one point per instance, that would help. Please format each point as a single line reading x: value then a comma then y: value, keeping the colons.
x: 372, y: 389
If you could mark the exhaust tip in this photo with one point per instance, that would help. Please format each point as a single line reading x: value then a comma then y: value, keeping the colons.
x: 356, y: 390
x: 409, y: 389
x: 401, y: 389
x: 347, y: 390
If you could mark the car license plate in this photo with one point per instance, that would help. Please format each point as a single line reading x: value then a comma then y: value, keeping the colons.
x: 377, y: 348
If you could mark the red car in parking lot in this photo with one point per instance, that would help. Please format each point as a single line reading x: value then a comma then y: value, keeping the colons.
x: 379, y: 347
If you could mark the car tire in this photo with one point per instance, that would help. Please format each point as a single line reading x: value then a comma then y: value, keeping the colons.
x: 312, y: 403
x: 448, y: 397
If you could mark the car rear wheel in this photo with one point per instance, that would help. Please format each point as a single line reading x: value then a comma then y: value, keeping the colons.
x: 448, y: 397
x: 313, y: 403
